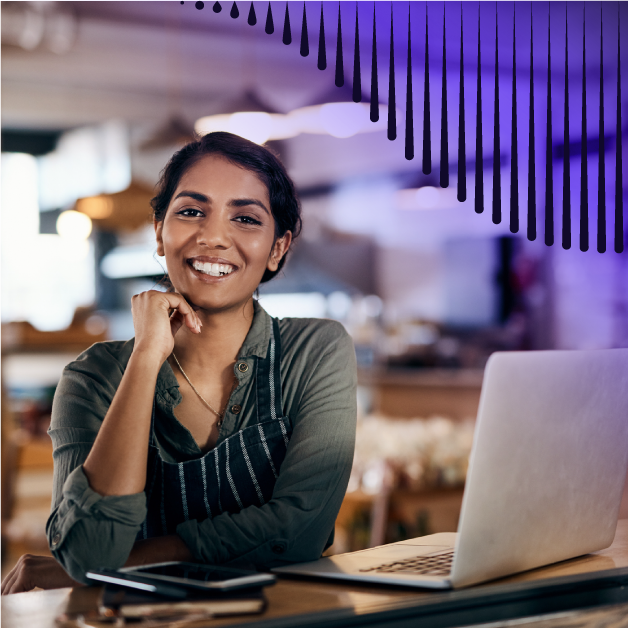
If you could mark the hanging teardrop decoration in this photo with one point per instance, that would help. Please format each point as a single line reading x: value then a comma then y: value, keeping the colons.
x: 427, y: 123
x: 305, y: 40
x: 287, y: 33
x: 357, y: 74
x: 409, y: 105
x: 514, y: 149
x: 322, y: 53
x: 619, y: 187
x: 234, y: 13
x: 340, y: 70
x: 216, y: 8
x: 584, y: 167
x: 479, y: 158
x: 462, y: 158
x: 392, y: 103
x: 566, y: 234
x: 199, y: 5
x: 270, y: 27
x: 374, y: 80
x: 252, y: 19
x: 549, y: 170
x: 601, y: 184
x: 444, y: 131
x: 531, y: 149
x: 497, y: 180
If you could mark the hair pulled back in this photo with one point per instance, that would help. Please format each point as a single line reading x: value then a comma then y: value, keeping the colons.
x: 284, y: 204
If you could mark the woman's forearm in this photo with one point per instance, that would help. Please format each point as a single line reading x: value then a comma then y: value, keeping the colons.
x: 116, y: 464
x: 161, y: 549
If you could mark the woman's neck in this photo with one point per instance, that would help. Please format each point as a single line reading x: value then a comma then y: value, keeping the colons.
x: 220, y: 340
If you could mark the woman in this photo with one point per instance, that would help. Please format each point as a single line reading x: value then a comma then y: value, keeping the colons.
x: 217, y: 434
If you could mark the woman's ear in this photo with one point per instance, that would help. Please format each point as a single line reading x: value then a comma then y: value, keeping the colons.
x: 159, y: 227
x: 280, y: 248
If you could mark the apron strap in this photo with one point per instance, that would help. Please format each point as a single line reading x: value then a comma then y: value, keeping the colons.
x: 269, y: 397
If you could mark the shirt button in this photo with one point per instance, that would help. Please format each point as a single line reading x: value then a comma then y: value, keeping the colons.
x: 236, y: 409
x: 278, y: 549
x: 56, y: 538
x: 243, y: 367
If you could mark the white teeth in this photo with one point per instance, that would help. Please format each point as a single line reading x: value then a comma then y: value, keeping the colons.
x: 214, y: 270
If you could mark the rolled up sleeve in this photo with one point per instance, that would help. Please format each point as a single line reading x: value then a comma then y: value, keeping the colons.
x: 296, y: 523
x: 88, y: 531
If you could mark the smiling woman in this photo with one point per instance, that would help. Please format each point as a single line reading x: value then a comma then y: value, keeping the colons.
x: 217, y: 434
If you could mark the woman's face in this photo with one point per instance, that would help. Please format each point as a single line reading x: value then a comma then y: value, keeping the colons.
x: 218, y: 235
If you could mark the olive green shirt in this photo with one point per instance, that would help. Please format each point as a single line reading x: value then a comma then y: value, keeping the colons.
x: 318, y: 375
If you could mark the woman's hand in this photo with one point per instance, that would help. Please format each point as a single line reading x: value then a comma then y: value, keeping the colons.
x: 157, y: 317
x: 36, y: 571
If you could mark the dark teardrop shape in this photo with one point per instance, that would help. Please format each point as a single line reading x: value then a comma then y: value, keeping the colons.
x: 514, y: 150
x: 340, y: 70
x: 479, y: 159
x: 305, y: 41
x: 601, y: 185
x: 252, y: 19
x: 374, y: 79
x: 531, y: 151
x: 497, y: 179
x: 584, y: 167
x: 444, y: 122
x: 217, y: 8
x: 619, y: 184
x: 322, y: 53
x: 234, y: 11
x: 427, y: 129
x: 549, y: 168
x: 357, y: 74
x: 409, y: 105
x: 270, y: 27
x: 392, y: 103
x: 566, y: 234
x: 287, y: 33
x: 462, y: 159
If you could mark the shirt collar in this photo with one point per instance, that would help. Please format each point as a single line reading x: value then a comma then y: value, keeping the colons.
x: 255, y: 344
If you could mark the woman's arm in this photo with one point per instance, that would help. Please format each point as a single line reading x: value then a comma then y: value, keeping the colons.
x: 296, y: 523
x: 116, y: 464
x: 100, y: 430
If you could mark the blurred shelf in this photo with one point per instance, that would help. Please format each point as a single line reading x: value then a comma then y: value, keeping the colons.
x: 452, y: 393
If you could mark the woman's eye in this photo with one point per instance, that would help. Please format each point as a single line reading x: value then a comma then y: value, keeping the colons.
x: 248, y: 220
x: 190, y: 213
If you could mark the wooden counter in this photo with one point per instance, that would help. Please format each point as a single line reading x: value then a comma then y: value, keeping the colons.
x: 592, y: 581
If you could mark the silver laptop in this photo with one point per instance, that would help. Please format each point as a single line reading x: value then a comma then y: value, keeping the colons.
x: 545, y: 479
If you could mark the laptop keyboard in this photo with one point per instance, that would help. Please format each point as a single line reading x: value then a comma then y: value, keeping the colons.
x: 430, y: 565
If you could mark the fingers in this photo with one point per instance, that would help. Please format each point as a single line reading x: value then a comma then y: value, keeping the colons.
x: 16, y: 581
x: 8, y: 580
x: 184, y: 310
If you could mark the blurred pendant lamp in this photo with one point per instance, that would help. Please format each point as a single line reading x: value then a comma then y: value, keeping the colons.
x: 246, y: 116
x: 174, y: 131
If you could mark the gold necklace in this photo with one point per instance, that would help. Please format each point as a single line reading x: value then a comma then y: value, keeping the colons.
x: 218, y: 414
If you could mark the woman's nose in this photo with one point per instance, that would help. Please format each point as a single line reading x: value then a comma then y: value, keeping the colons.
x: 214, y: 232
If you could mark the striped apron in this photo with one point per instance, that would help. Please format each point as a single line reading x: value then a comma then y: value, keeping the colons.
x: 240, y: 471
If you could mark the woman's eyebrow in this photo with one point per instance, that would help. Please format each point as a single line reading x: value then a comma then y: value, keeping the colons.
x: 197, y: 196
x: 243, y: 202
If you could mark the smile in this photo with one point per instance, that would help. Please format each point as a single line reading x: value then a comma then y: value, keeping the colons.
x: 213, y: 270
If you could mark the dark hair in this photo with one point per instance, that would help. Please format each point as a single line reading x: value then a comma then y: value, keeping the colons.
x: 284, y: 203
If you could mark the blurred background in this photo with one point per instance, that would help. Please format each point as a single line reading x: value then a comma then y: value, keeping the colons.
x: 98, y: 95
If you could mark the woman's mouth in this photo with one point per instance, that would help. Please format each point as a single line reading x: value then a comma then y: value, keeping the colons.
x: 212, y: 269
